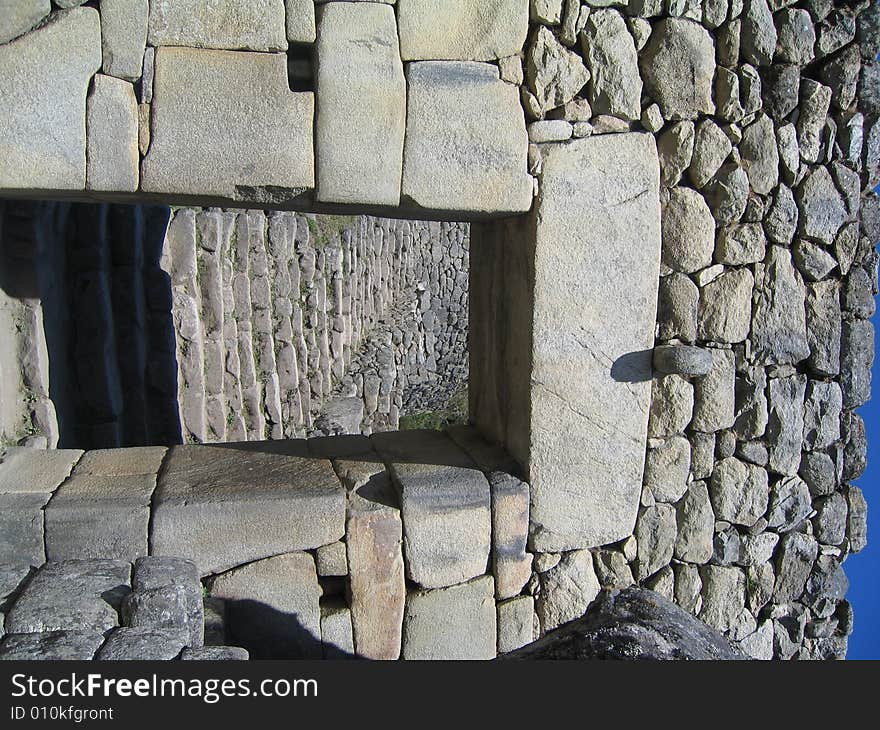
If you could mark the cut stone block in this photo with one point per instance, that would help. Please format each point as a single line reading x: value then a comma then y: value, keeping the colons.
x: 466, y: 143
x: 359, y: 157
x: 462, y: 29
x: 226, y: 123
x: 21, y: 528
x: 35, y: 471
x: 143, y: 644
x: 44, y: 77
x: 19, y: 16
x: 511, y: 564
x: 112, y: 122
x: 121, y: 462
x: 331, y: 560
x: 374, y: 538
x: 272, y: 607
x: 445, y: 507
x: 300, y: 21
x: 215, y: 654
x: 516, y: 623
x: 51, y: 646
x: 73, y: 595
x: 451, y: 623
x: 166, y: 593
x: 220, y: 506
x: 124, y: 37
x: 95, y: 517
x: 583, y: 270
x: 336, y: 634
x: 250, y: 25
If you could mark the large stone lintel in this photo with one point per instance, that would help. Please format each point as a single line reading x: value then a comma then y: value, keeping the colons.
x: 563, y: 304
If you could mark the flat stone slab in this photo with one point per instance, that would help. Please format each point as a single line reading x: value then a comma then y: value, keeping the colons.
x: 226, y: 123
x: 100, y: 517
x: 462, y: 29
x: 44, y: 77
x: 445, y: 507
x: 19, y: 16
x: 122, y: 462
x: 359, y: 156
x: 224, y: 506
x: 578, y: 421
x: 251, y: 25
x: 51, y: 646
x: 112, y: 122
x: 272, y: 607
x: 22, y: 528
x: 143, y: 644
x: 73, y: 595
x: 35, y: 471
x: 466, y: 143
x: 451, y: 623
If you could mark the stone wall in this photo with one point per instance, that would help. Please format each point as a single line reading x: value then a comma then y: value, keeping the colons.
x: 206, y: 325
x: 100, y: 100
x: 766, y: 121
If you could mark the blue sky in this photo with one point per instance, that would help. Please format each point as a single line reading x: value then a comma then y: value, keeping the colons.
x: 863, y: 569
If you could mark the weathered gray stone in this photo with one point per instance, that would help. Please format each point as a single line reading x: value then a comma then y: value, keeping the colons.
x: 124, y: 37
x: 51, y: 646
x: 516, y: 623
x: 785, y: 426
x: 702, y: 454
x: 739, y: 492
x: 445, y: 507
x: 677, y: 301
x: 143, y: 644
x: 822, y: 407
x: 740, y: 244
x: 74, y: 595
x: 672, y: 406
x: 795, y: 36
x: 215, y: 654
x: 460, y: 30
x: 121, y: 462
x: 760, y: 155
x: 300, y: 21
x: 554, y: 130
x: 856, y: 526
x: 675, y: 148
x: 447, y: 150
x: 789, y: 504
x: 781, y: 86
x: 272, y: 607
x: 240, y: 25
x: 21, y: 528
x: 758, y: 33
x: 336, y: 633
x: 726, y: 307
x: 99, y: 517
x: 789, y: 154
x: 612, y: 569
x: 359, y: 158
x: 112, y: 123
x: 751, y: 403
x: 511, y: 564
x: 678, y: 66
x: 567, y: 590
x: 695, y: 525
x: 667, y: 468
x: 632, y: 624
x: 579, y: 497
x: 826, y: 586
x: 813, y: 261
x: 728, y: 194
x: 758, y: 549
x: 374, y: 537
x: 208, y: 508
x: 655, y: 534
x: 458, y: 622
x: 35, y: 471
x: 20, y: 16
x: 615, y: 84
x: 829, y: 524
x: 856, y: 359
x: 555, y: 74
x: 724, y: 596
x: 43, y: 110
x: 782, y: 218
x: 822, y: 210
x: 331, y: 560
x: 714, y: 394
x: 794, y: 562
x: 819, y: 472
x: 251, y: 132
x: 682, y: 360
x: 824, y: 327
x: 688, y: 231
x: 688, y: 585
x: 855, y: 446
x: 815, y: 98
x: 779, y: 328
x: 858, y: 293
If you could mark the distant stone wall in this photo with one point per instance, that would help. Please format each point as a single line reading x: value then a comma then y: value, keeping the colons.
x: 177, y: 102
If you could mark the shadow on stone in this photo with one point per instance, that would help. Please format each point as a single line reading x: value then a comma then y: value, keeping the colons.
x: 634, y: 367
